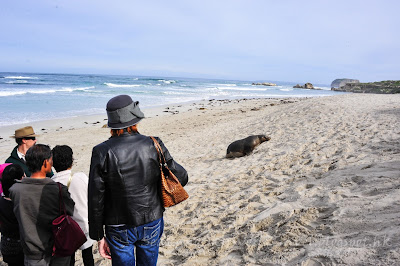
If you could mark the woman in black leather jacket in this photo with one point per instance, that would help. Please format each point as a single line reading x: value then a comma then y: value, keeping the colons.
x: 124, y: 188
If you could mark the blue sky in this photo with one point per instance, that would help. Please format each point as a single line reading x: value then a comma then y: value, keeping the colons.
x: 299, y: 41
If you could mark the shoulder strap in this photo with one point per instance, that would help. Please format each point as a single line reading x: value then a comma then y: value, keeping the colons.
x: 61, y: 201
x: 161, y: 157
x: 69, y: 180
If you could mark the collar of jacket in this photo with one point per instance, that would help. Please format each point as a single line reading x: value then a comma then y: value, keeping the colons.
x: 14, y: 153
x: 125, y: 134
x: 29, y: 180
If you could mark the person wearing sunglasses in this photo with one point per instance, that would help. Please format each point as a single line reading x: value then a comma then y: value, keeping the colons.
x: 25, y: 138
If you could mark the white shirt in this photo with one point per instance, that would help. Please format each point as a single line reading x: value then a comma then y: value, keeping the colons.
x: 78, y: 189
x: 21, y: 155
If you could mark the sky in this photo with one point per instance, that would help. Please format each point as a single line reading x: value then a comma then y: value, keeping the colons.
x: 261, y: 40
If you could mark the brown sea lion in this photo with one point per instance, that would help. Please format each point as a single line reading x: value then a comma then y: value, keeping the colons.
x: 245, y: 146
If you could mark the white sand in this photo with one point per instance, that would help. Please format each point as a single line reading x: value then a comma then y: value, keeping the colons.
x: 324, y: 190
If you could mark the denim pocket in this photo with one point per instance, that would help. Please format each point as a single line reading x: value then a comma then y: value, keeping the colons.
x: 152, y: 234
x: 117, y: 236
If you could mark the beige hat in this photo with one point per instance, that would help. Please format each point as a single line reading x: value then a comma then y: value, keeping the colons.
x: 25, y: 132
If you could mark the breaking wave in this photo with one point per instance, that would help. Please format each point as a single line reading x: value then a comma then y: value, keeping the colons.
x: 112, y: 85
x: 20, y: 77
x: 41, y: 91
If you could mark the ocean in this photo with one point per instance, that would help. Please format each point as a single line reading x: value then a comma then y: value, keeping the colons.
x: 28, y: 97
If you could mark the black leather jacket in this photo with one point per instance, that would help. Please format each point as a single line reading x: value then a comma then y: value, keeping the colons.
x: 124, y: 182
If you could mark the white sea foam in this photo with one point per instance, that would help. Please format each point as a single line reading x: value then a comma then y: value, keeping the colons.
x: 325, y: 88
x: 43, y: 91
x: 167, y: 81
x: 71, y: 89
x: 225, y: 85
x: 18, y: 81
x: 286, y: 89
x: 11, y: 93
x: 242, y: 88
x: 174, y: 93
x: 48, y: 91
x: 112, y: 85
x: 218, y: 93
x: 19, y: 77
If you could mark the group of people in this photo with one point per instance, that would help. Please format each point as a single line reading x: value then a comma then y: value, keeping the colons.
x: 118, y: 205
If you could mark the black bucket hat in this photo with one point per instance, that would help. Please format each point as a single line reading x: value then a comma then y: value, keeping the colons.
x: 123, y: 112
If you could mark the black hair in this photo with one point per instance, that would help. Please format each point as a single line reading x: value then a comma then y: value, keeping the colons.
x: 62, y: 157
x: 10, y: 174
x: 18, y: 141
x: 36, y: 155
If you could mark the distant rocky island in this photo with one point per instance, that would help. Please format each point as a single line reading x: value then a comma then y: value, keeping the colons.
x: 381, y: 87
x: 263, y: 84
x: 308, y: 86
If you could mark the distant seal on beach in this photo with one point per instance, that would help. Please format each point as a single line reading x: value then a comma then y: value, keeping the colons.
x: 245, y: 146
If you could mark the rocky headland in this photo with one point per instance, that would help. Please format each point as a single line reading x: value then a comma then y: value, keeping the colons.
x: 337, y: 83
x: 381, y: 87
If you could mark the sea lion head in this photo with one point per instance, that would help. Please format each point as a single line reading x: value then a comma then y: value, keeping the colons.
x: 263, y: 138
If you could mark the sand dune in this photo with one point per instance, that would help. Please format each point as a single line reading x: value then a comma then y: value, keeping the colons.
x: 324, y: 190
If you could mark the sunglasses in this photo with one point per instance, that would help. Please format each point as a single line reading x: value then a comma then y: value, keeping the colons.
x: 31, y: 138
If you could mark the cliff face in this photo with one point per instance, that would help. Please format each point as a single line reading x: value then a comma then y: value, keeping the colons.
x: 381, y: 87
x: 337, y: 83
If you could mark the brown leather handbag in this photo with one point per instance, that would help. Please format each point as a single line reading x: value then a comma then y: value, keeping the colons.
x: 172, y: 191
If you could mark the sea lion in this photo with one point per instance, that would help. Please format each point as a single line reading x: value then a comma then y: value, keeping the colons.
x: 245, y: 146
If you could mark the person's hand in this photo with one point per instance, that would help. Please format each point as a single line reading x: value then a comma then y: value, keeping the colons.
x: 104, y: 249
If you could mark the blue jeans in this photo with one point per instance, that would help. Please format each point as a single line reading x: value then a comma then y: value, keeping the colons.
x: 122, y: 241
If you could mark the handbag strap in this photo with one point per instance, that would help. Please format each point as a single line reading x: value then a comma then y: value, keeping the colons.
x: 60, y: 201
x: 161, y: 157
x: 69, y: 180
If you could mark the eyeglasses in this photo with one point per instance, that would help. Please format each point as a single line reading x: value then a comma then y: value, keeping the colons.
x: 31, y: 138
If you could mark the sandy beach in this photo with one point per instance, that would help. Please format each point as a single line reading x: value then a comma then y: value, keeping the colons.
x: 323, y: 191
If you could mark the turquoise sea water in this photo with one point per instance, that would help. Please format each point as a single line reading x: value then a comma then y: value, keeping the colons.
x: 27, y: 97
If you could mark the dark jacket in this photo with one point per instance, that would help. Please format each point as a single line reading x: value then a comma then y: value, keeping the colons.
x: 10, y: 239
x: 124, y: 182
x: 9, y: 225
x: 15, y: 159
x: 36, y: 205
x: 8, y: 221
